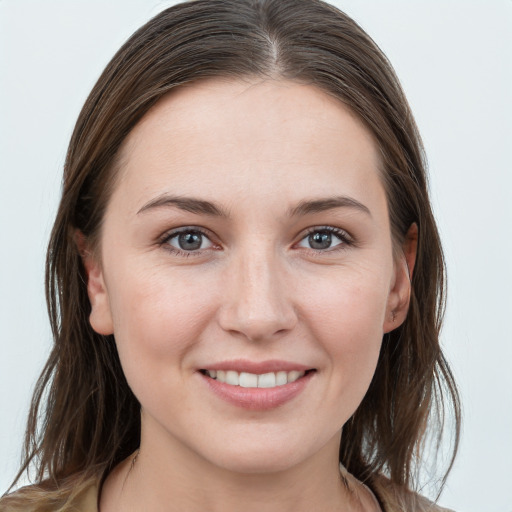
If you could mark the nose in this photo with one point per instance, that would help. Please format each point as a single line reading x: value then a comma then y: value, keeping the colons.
x: 257, y: 295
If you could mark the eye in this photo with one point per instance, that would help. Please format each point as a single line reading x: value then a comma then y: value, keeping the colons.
x: 189, y: 240
x: 322, y: 239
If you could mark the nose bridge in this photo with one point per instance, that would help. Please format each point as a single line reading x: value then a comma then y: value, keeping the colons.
x: 257, y: 301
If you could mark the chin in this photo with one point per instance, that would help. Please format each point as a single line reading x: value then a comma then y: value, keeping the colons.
x: 261, y: 455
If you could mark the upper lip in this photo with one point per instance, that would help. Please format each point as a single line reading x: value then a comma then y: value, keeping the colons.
x: 257, y: 367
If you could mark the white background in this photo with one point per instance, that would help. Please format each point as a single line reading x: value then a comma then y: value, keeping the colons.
x: 455, y: 62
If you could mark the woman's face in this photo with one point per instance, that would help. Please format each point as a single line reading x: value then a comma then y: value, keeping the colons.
x: 247, y: 235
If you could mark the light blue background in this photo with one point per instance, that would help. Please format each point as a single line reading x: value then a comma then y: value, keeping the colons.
x: 455, y: 62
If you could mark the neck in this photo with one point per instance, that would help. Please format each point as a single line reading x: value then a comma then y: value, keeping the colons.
x: 177, y: 479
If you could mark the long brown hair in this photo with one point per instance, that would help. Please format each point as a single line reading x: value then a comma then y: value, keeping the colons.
x: 84, y: 417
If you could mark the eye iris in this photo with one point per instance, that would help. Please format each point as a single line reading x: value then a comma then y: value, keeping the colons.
x: 189, y: 241
x: 320, y: 240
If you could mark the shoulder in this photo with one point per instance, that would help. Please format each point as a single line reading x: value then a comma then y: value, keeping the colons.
x: 75, y: 495
x: 398, y: 499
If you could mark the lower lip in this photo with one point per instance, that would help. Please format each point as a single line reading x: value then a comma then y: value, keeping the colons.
x: 257, y: 399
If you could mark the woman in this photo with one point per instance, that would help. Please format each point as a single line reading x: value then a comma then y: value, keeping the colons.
x: 244, y: 279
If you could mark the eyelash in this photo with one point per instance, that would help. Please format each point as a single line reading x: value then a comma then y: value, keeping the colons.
x: 342, y: 235
x: 164, y: 241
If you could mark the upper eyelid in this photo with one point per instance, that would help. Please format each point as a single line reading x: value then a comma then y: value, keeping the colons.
x: 343, y: 233
x: 346, y: 239
x: 164, y: 239
x: 340, y: 232
x: 186, y: 229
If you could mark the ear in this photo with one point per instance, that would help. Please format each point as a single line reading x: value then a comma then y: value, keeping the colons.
x: 400, y: 293
x: 101, y: 316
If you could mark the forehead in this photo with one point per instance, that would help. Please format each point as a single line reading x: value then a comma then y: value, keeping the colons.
x: 222, y: 136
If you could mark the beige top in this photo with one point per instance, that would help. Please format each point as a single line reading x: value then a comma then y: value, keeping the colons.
x: 32, y: 500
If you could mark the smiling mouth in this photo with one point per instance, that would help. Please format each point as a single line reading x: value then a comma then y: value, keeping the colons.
x: 253, y: 380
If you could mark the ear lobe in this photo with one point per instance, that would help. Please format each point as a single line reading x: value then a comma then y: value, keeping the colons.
x: 399, y: 295
x: 100, y: 317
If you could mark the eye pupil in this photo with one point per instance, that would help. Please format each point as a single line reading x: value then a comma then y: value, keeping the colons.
x: 320, y: 240
x: 190, y: 241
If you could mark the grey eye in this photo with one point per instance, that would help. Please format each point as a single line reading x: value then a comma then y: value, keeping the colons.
x: 321, y: 240
x: 190, y: 241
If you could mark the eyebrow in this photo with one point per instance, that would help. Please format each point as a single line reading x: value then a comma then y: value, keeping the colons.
x: 329, y: 203
x: 189, y: 204
x: 203, y: 207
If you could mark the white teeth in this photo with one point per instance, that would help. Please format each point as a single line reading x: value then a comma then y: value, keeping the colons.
x: 248, y: 380
x: 267, y: 380
x: 294, y: 375
x: 232, y: 378
x: 251, y: 380
x: 281, y: 378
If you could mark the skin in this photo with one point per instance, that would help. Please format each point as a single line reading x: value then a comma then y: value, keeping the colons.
x: 256, y: 290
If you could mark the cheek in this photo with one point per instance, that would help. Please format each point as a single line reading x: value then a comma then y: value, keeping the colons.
x: 350, y: 304
x: 158, y: 318
x: 346, y: 317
